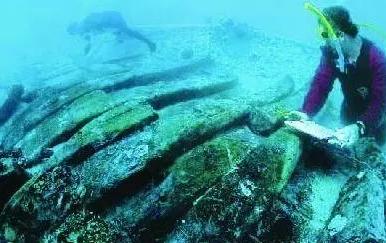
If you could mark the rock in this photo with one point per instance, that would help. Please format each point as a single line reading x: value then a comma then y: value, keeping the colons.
x: 264, y: 120
x: 304, y: 206
x: 84, y: 227
x: 9, y: 235
x: 358, y: 216
x: 48, y: 104
x: 228, y: 210
x: 193, y: 88
x: 54, y: 189
x: 283, y: 150
x: 284, y: 220
x: 30, y: 96
x: 148, y: 153
x: 11, y: 104
x: 302, y: 209
x: 47, y: 134
x: 113, y: 172
x: 368, y: 154
x: 99, y: 128
x: 170, y: 74
x: 55, y: 99
x: 12, y: 177
x: 151, y: 213
x: 63, y: 124
x: 105, y: 129
x: 48, y: 197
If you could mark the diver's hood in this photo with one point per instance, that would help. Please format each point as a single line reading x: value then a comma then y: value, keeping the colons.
x: 327, y: 25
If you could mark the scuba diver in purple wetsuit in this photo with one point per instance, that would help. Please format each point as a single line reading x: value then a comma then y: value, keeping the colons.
x: 101, y: 22
x: 361, y: 68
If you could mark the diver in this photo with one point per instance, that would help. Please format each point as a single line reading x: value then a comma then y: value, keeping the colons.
x: 361, y: 68
x: 97, y: 23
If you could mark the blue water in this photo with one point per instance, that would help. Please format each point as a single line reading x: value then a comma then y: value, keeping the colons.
x: 271, y: 48
x: 35, y: 31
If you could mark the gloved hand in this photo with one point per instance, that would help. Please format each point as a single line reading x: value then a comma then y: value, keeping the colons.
x: 296, y: 116
x: 346, y: 136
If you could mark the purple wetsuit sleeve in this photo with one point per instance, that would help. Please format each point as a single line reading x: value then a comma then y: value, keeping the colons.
x: 321, y: 86
x: 373, y: 116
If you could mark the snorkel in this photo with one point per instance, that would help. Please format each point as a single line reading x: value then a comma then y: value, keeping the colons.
x: 330, y: 31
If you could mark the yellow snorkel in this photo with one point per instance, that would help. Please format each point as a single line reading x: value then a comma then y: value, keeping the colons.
x: 330, y: 30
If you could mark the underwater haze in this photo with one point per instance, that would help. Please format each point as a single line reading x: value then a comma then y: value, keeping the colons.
x: 30, y: 28
x: 192, y: 121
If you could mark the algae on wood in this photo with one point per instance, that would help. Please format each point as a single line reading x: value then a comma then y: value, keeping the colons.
x: 228, y: 210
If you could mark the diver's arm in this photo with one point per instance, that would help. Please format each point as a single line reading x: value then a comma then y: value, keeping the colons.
x: 373, y: 116
x: 321, y: 86
x: 139, y: 36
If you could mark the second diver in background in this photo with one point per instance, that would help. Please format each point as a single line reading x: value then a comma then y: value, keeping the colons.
x: 97, y: 23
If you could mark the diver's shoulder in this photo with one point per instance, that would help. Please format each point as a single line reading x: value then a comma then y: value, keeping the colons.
x: 375, y: 52
x: 366, y: 42
x: 370, y: 44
